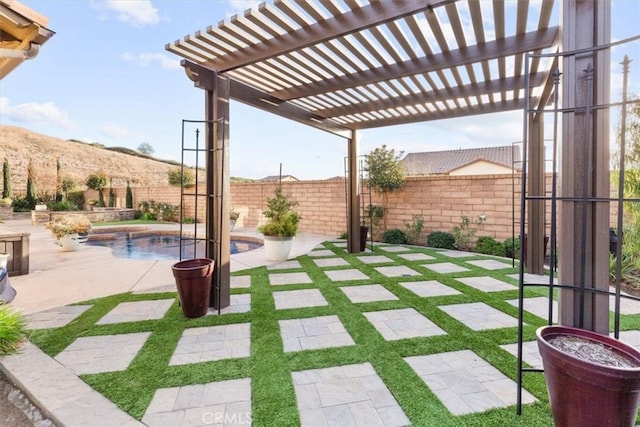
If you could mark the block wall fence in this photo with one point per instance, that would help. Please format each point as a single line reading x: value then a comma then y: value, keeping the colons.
x: 442, y: 200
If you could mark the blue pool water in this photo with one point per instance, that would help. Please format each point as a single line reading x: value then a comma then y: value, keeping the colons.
x: 164, y: 247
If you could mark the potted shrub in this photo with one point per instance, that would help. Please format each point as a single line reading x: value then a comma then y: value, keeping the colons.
x: 69, y: 232
x: 281, y: 226
x: 592, y: 379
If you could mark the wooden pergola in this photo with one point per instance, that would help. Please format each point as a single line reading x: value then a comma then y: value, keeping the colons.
x: 342, y: 66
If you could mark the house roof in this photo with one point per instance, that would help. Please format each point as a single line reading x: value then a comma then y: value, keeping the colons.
x: 22, y: 32
x: 276, y: 178
x: 347, y: 65
x: 443, y: 162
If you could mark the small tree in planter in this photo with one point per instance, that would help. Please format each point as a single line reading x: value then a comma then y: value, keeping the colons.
x: 386, y: 174
x: 281, y: 226
x: 98, y: 181
x: 7, y: 192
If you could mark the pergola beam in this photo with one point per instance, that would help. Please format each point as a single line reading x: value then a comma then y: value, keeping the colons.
x: 509, y: 46
x: 368, y: 16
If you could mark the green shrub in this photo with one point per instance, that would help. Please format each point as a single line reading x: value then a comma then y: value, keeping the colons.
x: 181, y: 177
x: 489, y: 245
x: 512, y: 248
x: 189, y: 220
x: 152, y: 211
x: 441, y: 239
x: 344, y: 235
x: 62, y: 206
x: 414, y: 228
x: 129, y: 198
x: 395, y: 236
x: 21, y: 204
x: 13, y: 330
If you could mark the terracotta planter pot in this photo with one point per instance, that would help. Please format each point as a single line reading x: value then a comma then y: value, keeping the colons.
x: 585, y: 393
x: 193, y: 280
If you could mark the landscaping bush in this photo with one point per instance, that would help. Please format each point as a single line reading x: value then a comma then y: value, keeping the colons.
x: 490, y: 246
x: 152, y: 211
x: 344, y: 235
x: 13, y: 330
x: 62, y: 206
x: 441, y: 239
x: 512, y: 248
x: 395, y: 236
x: 21, y: 204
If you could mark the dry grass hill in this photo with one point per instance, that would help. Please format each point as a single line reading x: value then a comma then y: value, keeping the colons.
x: 77, y: 160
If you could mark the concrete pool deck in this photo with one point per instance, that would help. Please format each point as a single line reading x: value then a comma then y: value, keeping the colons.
x: 59, y: 278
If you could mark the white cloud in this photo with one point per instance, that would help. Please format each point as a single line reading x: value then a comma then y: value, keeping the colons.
x: 138, y: 13
x: 147, y: 59
x: 34, y: 113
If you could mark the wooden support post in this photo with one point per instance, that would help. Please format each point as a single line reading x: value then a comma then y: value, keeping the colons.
x: 353, y: 196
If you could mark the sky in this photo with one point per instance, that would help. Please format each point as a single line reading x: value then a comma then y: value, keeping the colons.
x: 105, y: 77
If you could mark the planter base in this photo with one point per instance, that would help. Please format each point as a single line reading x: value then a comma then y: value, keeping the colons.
x: 585, y: 393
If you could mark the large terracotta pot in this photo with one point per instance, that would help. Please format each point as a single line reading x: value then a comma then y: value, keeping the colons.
x: 585, y: 393
x: 193, y: 280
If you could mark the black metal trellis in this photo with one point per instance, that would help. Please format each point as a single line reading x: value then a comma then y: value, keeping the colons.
x: 588, y: 109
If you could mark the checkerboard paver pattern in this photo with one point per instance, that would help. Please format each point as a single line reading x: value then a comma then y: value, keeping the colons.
x: 375, y: 259
x: 350, y: 395
x: 239, y: 303
x: 345, y: 275
x: 55, y: 317
x: 136, y: 311
x: 490, y: 264
x: 213, y: 343
x: 397, y: 271
x: 299, y: 299
x: 105, y: 353
x: 445, y: 267
x: 479, y: 316
x: 214, y: 404
x: 289, y: 279
x: 330, y: 262
x: 240, y: 282
x: 429, y: 288
x: 487, y: 284
x: 368, y: 293
x: 538, y: 306
x: 416, y: 256
x: 402, y: 323
x: 286, y: 265
x: 465, y: 383
x: 314, y: 333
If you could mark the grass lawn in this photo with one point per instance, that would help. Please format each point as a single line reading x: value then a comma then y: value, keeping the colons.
x: 270, y: 368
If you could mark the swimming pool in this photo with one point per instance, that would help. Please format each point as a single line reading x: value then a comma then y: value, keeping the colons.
x: 154, y: 246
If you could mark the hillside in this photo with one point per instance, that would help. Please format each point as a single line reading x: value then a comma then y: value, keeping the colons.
x: 77, y: 161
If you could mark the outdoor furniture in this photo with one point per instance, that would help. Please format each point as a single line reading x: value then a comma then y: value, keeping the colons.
x: 7, y: 293
x: 17, y: 246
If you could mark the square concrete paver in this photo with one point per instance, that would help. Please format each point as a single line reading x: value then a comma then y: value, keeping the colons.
x: 289, y: 278
x: 393, y: 248
x: 397, y: 271
x: 136, y: 311
x: 211, y: 343
x: 350, y: 395
x: 286, y: 265
x: 429, y: 288
x: 479, y: 316
x: 487, y: 284
x: 330, y: 262
x: 340, y: 244
x: 368, y: 293
x: 530, y: 353
x: 402, y: 323
x: 106, y: 353
x: 465, y: 383
x: 490, y: 264
x: 239, y: 303
x: 345, y: 275
x: 627, y: 306
x: 538, y: 306
x: 321, y: 253
x: 374, y: 259
x: 299, y: 299
x: 630, y: 337
x: 314, y: 333
x: 450, y: 253
x: 445, y: 267
x: 416, y: 257
x: 240, y: 281
x: 221, y: 403
x: 55, y: 317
